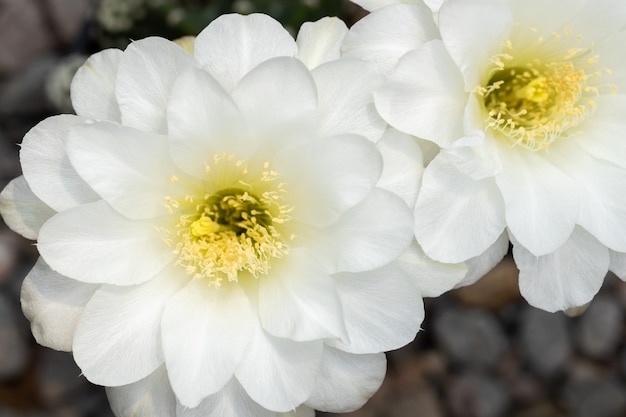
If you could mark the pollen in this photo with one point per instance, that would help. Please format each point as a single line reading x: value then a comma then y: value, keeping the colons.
x: 233, y: 226
x: 533, y: 95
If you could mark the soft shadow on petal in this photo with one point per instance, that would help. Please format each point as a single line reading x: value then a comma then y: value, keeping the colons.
x: 478, y: 266
x: 150, y: 397
x: 21, y: 210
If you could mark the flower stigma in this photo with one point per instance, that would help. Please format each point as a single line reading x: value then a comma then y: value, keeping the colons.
x: 534, y: 95
x: 233, y: 224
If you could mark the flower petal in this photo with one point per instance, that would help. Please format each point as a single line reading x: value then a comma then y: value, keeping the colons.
x: 21, y: 210
x: 118, y: 337
x: 479, y: 265
x: 203, y: 121
x: 384, y: 36
x: 232, y: 400
x: 152, y: 396
x: 205, y: 330
x: 346, y: 104
x: 346, y: 381
x: 93, y: 87
x: 299, y: 300
x: 145, y: 77
x: 92, y: 243
x: 456, y: 217
x: 53, y: 304
x: 48, y: 170
x: 320, y: 42
x: 541, y: 201
x: 128, y: 168
x: 234, y: 44
x: 432, y: 278
x: 279, y: 373
x: 352, y: 244
x: 425, y: 96
x: 383, y: 309
x: 618, y: 264
x: 402, y: 165
x: 568, y: 277
x: 325, y: 182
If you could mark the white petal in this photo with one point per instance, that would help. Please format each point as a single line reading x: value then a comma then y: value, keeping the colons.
x: 320, y: 42
x: 93, y: 86
x: 602, y: 201
x: 425, y: 96
x: 541, y: 201
x: 128, y: 168
x: 432, y: 278
x: 279, y: 373
x: 94, y: 244
x: 145, y: 77
x: 298, y: 300
x: 203, y: 121
x: 204, y: 331
x: 21, y: 210
x: 152, y: 396
x: 347, y: 381
x: 456, y: 217
x: 232, y: 400
x: 53, y: 304
x: 278, y: 99
x: 118, y: 337
x: 475, y: 156
x: 384, y: 36
x: 618, y: 264
x: 47, y: 168
x: 473, y: 33
x: 234, y: 44
x: 402, y: 165
x: 568, y: 277
x: 383, y: 309
x: 328, y: 177
x: 479, y: 265
x: 302, y: 411
x: 353, y: 245
x: 346, y: 104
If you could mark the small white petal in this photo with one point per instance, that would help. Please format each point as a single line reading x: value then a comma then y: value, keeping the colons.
x: 145, y: 76
x: 47, y: 168
x: 53, y: 304
x: 383, y: 309
x: 479, y: 265
x: 204, y: 331
x: 320, y: 42
x: 384, y: 36
x: 234, y: 44
x: 152, y: 396
x: 346, y: 381
x: 618, y: 264
x: 92, y: 243
x: 299, y: 300
x: 93, y: 87
x: 21, y: 210
x: 118, y: 337
x: 456, y: 217
x: 279, y: 373
x: 568, y: 277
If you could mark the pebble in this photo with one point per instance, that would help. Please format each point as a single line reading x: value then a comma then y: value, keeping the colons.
x: 599, y: 330
x: 545, y: 341
x: 600, y: 398
x: 24, y: 94
x: 476, y: 395
x: 13, y: 347
x: 472, y: 338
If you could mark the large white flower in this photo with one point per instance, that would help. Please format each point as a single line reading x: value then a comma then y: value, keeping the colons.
x: 213, y: 240
x: 526, y: 100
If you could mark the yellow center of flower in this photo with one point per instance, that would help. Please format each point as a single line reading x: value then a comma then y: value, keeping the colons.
x: 540, y: 92
x: 235, y: 228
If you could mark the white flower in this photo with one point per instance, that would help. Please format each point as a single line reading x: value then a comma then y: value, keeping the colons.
x: 526, y: 100
x: 213, y: 240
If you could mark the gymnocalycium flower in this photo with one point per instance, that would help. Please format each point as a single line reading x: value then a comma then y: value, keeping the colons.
x: 213, y: 240
x: 526, y: 101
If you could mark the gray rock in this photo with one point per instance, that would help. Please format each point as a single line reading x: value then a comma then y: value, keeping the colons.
x: 24, y: 94
x: 472, y: 338
x: 59, y: 379
x: 600, y: 398
x: 600, y: 327
x: 545, y: 341
x: 475, y: 395
x: 13, y: 348
x: 9, y: 247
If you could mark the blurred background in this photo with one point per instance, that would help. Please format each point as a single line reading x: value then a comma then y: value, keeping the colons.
x: 483, y: 351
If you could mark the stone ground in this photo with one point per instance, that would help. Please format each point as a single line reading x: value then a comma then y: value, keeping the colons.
x: 483, y: 351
